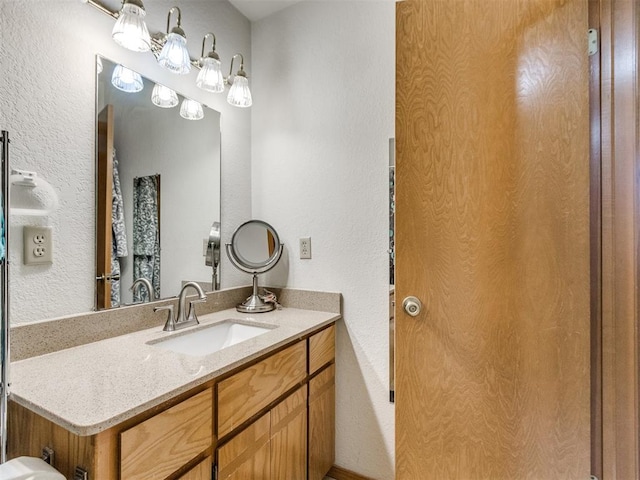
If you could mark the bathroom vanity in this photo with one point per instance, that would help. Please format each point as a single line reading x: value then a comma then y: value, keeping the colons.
x: 128, y: 408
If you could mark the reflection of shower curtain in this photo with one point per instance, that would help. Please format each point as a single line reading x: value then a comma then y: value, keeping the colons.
x: 118, y: 234
x: 146, y: 234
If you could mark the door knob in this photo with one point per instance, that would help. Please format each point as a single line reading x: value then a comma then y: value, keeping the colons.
x: 412, y: 306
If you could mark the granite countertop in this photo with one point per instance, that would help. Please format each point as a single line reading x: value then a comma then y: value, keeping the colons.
x: 90, y: 388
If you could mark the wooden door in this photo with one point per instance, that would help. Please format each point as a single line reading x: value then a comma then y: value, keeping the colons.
x: 492, y: 377
x: 104, y: 189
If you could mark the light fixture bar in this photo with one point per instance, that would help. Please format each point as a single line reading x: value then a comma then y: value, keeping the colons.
x: 157, y: 39
x: 102, y: 8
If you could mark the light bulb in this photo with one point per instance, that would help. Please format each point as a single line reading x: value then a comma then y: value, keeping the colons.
x: 164, y: 97
x: 191, y: 110
x: 130, y: 30
x: 126, y: 80
x: 239, y: 93
x: 174, y: 55
x: 210, y: 77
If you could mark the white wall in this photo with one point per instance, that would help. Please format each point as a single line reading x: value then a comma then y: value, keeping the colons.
x: 47, y: 102
x: 324, y: 100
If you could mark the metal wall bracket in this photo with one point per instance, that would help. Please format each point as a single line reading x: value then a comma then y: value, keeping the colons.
x: 80, y: 474
x: 48, y: 455
x: 593, y: 41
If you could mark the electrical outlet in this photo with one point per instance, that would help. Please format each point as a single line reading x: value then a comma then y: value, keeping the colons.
x: 305, y: 247
x: 38, y: 245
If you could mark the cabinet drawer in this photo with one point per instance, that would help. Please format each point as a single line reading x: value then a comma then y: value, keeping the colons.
x: 159, y: 446
x: 322, y: 348
x: 247, y: 392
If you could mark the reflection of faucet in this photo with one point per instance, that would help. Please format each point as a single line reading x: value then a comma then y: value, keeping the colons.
x: 182, y: 320
x: 147, y: 284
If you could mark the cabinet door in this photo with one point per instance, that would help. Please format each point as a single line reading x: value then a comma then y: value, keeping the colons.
x: 247, y: 455
x: 202, y: 471
x: 322, y: 423
x: 289, y: 437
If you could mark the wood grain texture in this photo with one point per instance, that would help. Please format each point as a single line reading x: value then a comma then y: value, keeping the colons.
x: 620, y: 225
x: 339, y: 473
x: 162, y: 444
x: 289, y: 437
x: 492, y: 138
x: 322, y: 414
x: 201, y: 471
x: 248, y: 454
x: 247, y: 392
x: 29, y: 434
x: 322, y: 348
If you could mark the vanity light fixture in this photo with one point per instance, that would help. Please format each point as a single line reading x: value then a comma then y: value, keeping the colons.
x: 126, y: 80
x: 164, y: 97
x: 171, y: 50
x: 174, y: 55
x: 130, y: 31
x: 239, y: 93
x: 191, y: 110
x: 210, y: 76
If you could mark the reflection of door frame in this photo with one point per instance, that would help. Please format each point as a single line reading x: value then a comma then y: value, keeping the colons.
x: 620, y: 221
x: 104, y: 206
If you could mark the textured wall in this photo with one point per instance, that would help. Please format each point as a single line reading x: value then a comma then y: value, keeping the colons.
x: 320, y: 168
x: 47, y: 91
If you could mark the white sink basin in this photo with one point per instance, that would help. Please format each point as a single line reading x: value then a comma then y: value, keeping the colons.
x: 210, y: 339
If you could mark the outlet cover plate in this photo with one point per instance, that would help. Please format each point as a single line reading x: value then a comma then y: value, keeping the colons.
x: 37, y: 245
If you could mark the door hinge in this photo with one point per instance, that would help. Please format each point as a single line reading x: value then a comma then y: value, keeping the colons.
x: 593, y: 41
x: 215, y: 472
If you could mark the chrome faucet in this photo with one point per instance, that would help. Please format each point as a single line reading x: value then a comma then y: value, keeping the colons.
x: 183, y: 320
x: 147, y: 284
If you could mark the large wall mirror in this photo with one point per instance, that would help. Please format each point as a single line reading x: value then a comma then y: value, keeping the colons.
x: 157, y: 189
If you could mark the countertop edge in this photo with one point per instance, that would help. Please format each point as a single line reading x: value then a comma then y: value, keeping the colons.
x: 96, y: 428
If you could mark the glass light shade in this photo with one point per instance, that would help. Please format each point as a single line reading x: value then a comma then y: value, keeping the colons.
x: 210, y: 77
x: 239, y: 93
x: 164, y: 97
x: 126, y: 80
x: 174, y: 55
x: 130, y: 31
x: 191, y: 110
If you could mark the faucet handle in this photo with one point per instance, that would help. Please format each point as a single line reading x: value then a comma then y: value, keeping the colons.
x: 192, y: 310
x: 170, y: 324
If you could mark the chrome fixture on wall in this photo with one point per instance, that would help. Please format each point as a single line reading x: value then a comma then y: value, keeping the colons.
x: 170, y: 49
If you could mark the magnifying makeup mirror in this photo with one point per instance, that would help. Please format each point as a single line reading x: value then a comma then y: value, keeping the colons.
x: 255, y: 248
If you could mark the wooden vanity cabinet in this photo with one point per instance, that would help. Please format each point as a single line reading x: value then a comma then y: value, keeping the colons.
x: 271, y: 420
